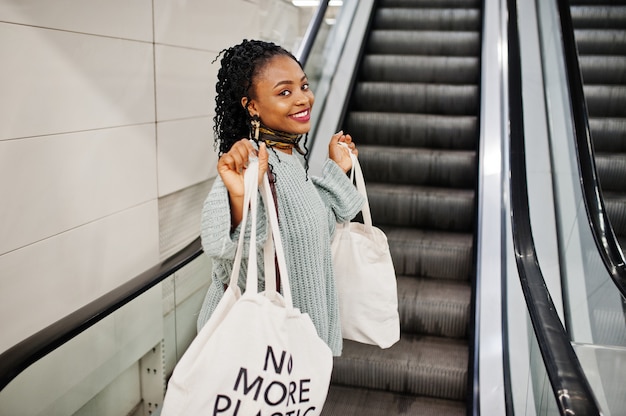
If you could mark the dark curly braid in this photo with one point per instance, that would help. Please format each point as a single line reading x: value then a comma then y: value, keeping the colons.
x: 240, y: 64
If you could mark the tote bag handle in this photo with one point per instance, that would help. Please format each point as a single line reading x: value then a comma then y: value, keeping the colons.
x: 251, y: 189
x: 356, y: 175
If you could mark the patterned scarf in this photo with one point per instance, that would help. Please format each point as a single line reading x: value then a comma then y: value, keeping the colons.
x: 280, y: 139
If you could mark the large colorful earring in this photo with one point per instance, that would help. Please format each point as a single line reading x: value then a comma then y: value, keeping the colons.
x: 255, y: 122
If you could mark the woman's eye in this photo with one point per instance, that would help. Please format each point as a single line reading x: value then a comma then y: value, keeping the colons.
x: 305, y: 87
x: 284, y: 93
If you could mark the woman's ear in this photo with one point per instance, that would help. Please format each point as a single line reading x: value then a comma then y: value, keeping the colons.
x: 251, y: 106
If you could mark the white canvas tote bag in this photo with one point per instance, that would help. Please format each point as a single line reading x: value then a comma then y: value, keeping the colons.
x: 366, y: 278
x: 257, y: 355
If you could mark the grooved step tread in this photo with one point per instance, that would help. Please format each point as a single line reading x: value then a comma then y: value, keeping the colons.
x: 418, y: 365
x: 346, y: 401
x: 434, y: 307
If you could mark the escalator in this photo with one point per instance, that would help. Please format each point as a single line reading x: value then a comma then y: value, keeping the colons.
x: 414, y: 110
x: 600, y: 33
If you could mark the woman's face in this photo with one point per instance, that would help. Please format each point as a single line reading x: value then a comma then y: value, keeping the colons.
x: 282, y: 98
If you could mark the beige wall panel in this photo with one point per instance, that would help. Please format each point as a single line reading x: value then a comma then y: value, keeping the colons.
x: 43, y: 282
x: 127, y: 19
x: 59, y: 82
x: 185, y: 85
x: 60, y: 182
x: 209, y: 25
x: 186, y: 156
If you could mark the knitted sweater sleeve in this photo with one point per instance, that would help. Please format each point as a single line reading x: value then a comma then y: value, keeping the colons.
x: 338, y: 192
x: 218, y: 242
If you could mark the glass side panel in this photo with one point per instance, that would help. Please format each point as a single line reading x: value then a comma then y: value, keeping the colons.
x: 119, y: 365
x: 325, y: 53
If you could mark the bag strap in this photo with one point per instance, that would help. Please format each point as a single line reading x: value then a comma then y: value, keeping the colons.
x: 356, y: 175
x: 251, y: 189
x: 268, y: 201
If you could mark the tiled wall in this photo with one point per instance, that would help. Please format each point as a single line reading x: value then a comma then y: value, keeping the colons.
x: 106, y: 113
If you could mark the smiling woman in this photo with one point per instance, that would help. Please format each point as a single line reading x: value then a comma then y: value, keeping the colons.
x: 263, y: 109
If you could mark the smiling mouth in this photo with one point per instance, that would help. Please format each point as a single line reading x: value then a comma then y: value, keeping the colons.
x: 302, y: 115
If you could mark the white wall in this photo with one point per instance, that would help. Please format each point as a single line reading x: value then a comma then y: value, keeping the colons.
x: 106, y: 143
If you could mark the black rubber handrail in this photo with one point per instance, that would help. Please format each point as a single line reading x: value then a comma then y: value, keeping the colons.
x: 601, y: 228
x: 569, y: 384
x: 311, y: 33
x: 19, y: 357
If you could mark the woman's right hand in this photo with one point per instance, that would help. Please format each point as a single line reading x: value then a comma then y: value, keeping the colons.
x: 231, y: 167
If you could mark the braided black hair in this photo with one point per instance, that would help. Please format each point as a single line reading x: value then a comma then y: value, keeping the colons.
x: 240, y: 64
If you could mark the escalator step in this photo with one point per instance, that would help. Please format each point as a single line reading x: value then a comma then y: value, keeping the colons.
x: 431, y: 254
x: 602, y: 69
x: 418, y: 166
x: 605, y: 100
x: 611, y: 169
x: 426, y: 208
x: 599, y: 17
x: 414, y: 130
x: 615, y: 204
x: 416, y: 98
x: 418, y: 365
x: 407, y: 68
x: 427, y: 19
x: 435, y: 308
x: 608, y: 134
x: 346, y: 401
x: 422, y: 42
x: 600, y: 42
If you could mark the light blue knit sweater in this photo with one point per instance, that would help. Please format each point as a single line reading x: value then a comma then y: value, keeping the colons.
x: 307, y: 213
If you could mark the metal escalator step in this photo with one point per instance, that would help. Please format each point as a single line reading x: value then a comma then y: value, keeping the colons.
x: 427, y: 19
x: 346, y: 401
x: 603, y: 69
x: 436, y: 308
x: 608, y: 134
x: 431, y: 254
x: 600, y: 42
x: 605, y: 100
x: 416, y: 98
x: 431, y: 3
x: 599, y: 16
x: 415, y: 130
x: 615, y: 204
x: 611, y: 168
x: 423, y: 207
x: 423, y: 42
x: 419, y: 166
x: 409, y: 68
x: 424, y: 366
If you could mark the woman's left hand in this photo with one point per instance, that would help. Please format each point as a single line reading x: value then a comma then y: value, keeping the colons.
x: 341, y: 154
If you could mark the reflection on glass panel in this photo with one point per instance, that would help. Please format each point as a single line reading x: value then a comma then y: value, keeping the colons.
x: 606, y: 369
x: 183, y: 294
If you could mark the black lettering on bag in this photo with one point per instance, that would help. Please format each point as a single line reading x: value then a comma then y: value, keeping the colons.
x: 227, y: 403
x: 303, y: 390
x: 282, y: 393
x: 278, y: 368
x: 247, y: 387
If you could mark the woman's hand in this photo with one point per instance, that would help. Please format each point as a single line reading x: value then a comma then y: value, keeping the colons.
x: 231, y: 167
x: 341, y: 154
